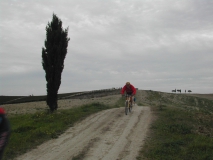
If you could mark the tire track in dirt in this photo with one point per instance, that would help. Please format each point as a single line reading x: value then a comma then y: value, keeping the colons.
x: 106, y: 135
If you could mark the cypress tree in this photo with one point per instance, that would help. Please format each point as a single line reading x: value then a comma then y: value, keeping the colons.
x: 53, y: 55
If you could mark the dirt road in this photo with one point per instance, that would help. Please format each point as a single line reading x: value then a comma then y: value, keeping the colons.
x: 107, y: 135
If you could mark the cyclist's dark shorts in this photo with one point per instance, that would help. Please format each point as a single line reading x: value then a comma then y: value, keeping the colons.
x: 129, y: 93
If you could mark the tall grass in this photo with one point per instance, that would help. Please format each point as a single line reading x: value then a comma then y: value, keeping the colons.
x: 30, y: 130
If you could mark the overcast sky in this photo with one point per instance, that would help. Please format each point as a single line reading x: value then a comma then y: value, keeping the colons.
x: 155, y: 44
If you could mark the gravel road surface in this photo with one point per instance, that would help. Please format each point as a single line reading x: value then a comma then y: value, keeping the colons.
x: 107, y: 135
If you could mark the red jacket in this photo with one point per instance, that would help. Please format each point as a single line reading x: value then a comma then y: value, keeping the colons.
x: 129, y: 89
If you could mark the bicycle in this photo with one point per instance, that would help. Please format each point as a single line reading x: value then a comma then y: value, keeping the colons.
x: 128, y: 104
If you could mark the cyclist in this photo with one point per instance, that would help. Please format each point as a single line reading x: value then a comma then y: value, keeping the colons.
x: 130, y: 90
x: 4, y: 131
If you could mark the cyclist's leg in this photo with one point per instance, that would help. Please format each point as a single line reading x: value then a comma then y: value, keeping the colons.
x: 131, y: 99
x: 130, y: 94
x: 133, y: 102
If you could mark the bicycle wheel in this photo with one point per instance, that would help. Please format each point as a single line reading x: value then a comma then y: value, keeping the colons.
x: 126, y: 108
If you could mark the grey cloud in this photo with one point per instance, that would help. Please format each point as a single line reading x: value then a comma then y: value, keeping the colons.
x: 156, y: 45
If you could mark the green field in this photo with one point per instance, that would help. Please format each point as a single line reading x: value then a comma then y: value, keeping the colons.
x: 182, y: 130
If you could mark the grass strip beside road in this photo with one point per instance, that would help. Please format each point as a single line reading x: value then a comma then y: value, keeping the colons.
x: 30, y: 130
x: 179, y: 134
